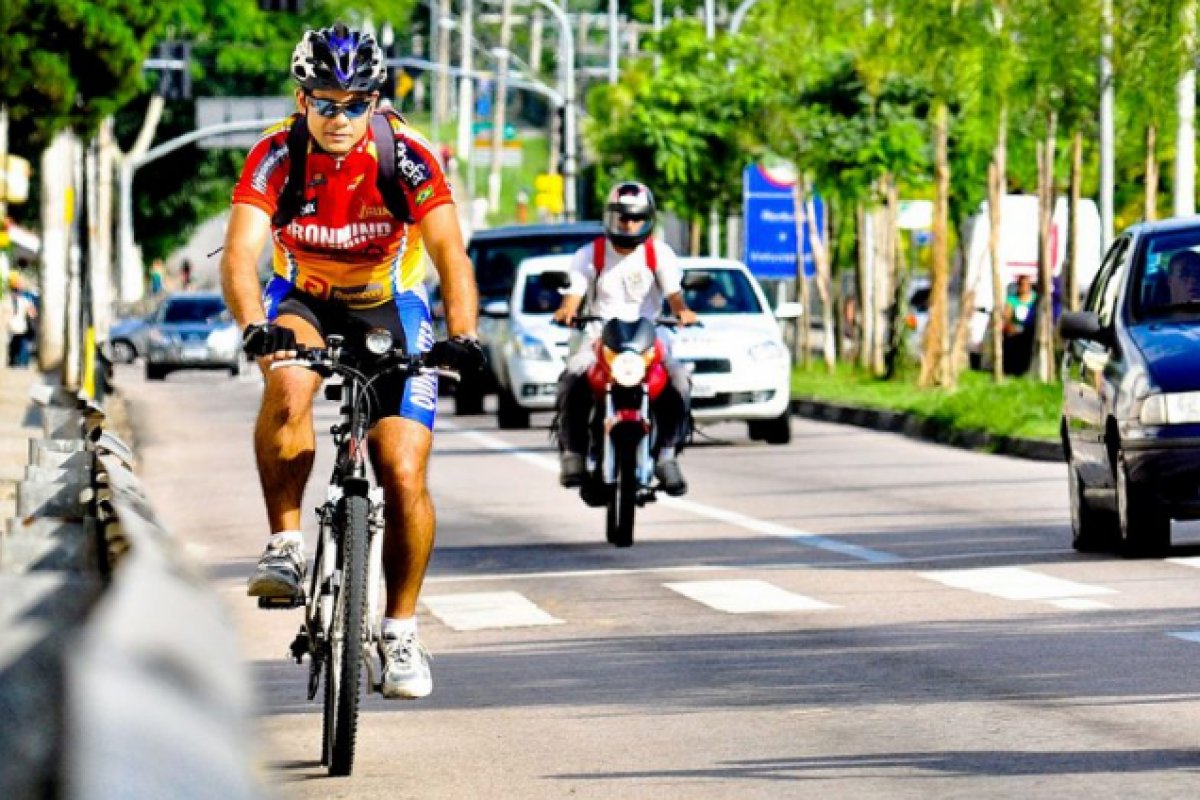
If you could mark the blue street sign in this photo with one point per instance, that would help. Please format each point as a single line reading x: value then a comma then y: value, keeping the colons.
x: 770, y: 214
x: 483, y: 101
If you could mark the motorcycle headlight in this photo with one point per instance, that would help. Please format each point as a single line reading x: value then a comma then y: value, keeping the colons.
x: 379, y: 341
x: 532, y: 348
x: 769, y: 350
x: 628, y: 368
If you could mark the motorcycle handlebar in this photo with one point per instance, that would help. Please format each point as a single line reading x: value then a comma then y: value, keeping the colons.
x: 582, y: 321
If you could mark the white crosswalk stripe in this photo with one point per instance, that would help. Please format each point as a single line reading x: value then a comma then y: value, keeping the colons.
x: 483, y: 610
x: 1017, y: 583
x: 745, y: 596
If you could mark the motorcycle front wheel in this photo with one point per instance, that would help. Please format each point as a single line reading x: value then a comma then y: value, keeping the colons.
x: 623, y: 501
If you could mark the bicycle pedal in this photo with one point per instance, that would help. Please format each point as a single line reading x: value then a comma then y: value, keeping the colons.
x: 282, y: 603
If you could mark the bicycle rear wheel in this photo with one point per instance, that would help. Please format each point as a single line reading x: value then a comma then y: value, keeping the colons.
x: 344, y: 671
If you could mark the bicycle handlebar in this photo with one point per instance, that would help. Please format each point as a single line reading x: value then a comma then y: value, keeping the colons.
x: 328, y: 359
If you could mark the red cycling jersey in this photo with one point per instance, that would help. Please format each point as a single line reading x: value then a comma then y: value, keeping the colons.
x: 344, y: 244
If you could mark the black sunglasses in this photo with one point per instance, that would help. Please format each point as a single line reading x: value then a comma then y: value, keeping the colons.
x: 328, y: 108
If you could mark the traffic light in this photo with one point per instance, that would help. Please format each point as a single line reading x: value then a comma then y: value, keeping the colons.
x: 175, y: 83
x: 285, y: 6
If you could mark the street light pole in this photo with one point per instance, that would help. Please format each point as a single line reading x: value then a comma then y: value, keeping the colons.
x: 1107, y: 127
x: 568, y: 65
x: 714, y: 216
x: 710, y: 21
x: 739, y: 15
x: 614, y: 49
x: 466, y: 97
x: 498, y: 106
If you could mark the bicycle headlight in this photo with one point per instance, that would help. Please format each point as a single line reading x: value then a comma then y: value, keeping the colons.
x: 628, y: 368
x: 379, y: 341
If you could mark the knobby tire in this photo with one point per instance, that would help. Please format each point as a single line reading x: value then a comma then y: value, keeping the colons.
x: 351, y: 614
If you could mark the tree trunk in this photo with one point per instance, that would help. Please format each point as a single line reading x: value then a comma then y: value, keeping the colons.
x: 864, y: 331
x: 694, y: 233
x: 803, y: 326
x: 1071, y: 281
x: 933, y: 363
x: 58, y: 209
x: 997, y: 188
x: 1150, y: 212
x: 821, y: 257
x: 886, y: 269
x: 1044, y: 353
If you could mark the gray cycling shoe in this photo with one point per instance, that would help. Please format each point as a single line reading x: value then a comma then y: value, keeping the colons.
x: 280, y: 571
x: 406, y: 673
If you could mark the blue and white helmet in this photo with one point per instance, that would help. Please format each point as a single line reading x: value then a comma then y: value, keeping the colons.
x: 338, y: 59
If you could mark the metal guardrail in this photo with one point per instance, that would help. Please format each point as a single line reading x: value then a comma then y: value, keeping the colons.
x: 119, y: 672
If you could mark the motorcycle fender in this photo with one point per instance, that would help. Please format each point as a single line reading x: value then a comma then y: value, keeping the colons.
x: 656, y: 379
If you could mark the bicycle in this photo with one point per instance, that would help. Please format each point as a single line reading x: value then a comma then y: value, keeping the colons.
x: 342, y: 601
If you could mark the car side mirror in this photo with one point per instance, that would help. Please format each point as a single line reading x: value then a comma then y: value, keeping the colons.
x: 554, y: 280
x: 789, y: 310
x: 1084, y: 325
x: 495, y: 309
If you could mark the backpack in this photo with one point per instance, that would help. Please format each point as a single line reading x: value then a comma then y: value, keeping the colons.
x: 599, y: 249
x: 291, y: 196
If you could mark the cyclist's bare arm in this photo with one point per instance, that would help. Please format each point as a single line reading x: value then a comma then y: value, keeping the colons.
x: 443, y: 238
x: 249, y: 228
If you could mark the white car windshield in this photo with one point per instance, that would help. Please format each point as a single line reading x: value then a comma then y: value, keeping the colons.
x: 538, y: 298
x: 719, y: 291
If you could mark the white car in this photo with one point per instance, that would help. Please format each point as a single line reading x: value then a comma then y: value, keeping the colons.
x: 528, y: 352
x: 741, y: 368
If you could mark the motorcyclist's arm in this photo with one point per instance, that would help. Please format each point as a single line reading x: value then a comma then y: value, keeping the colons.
x: 569, y: 309
x: 249, y: 227
x: 679, y: 308
x: 460, y: 296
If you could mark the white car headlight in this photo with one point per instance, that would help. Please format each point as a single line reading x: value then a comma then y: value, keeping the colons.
x: 225, y: 340
x: 769, y: 350
x: 532, y: 348
x: 1175, y: 408
x: 628, y: 368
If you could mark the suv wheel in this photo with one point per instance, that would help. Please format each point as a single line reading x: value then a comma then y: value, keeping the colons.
x: 771, y: 431
x: 1145, y: 527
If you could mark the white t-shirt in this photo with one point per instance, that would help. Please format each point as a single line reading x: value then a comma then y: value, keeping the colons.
x: 626, y: 289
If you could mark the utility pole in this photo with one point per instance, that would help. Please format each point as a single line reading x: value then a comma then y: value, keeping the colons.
x: 1185, y: 139
x: 466, y: 97
x: 499, y: 101
x: 4, y: 265
x: 72, y: 365
x: 614, y: 44
x: 100, y: 219
x: 58, y: 212
x: 442, y: 93
x: 535, y: 42
x: 1107, y: 129
x: 714, y: 215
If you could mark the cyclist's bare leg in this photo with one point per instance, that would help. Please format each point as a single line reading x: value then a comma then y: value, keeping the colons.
x: 400, y: 452
x: 284, y: 442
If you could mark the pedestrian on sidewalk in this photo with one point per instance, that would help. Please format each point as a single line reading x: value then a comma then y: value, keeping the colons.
x: 22, y: 317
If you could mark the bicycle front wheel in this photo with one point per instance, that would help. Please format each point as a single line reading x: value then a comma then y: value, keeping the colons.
x: 346, y: 666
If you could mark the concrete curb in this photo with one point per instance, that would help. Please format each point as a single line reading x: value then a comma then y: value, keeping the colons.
x: 928, y: 429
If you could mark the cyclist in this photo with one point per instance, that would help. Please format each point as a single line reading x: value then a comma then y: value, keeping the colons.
x: 344, y: 263
x: 624, y: 275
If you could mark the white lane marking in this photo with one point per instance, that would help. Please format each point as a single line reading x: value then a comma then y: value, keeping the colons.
x: 582, y: 573
x: 1014, y: 583
x: 1080, y: 604
x: 1187, y: 561
x: 745, y: 597
x: 1187, y: 636
x: 733, y: 518
x: 482, y: 610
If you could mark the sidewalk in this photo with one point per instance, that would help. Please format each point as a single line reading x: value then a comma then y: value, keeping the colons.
x: 19, y: 422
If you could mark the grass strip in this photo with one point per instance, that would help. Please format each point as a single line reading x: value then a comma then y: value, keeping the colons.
x: 1018, y: 407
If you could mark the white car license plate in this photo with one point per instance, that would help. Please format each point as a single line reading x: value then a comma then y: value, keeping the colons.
x: 195, y: 352
x: 702, y: 390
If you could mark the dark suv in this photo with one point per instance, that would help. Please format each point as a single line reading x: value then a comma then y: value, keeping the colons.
x: 496, y: 252
x: 1131, y: 392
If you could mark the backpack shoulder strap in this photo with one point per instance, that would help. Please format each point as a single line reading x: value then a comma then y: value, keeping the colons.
x: 291, y: 197
x: 651, y: 255
x: 385, y: 177
x: 598, y: 248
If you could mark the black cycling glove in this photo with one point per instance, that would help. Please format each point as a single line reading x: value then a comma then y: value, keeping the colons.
x: 264, y: 338
x: 461, y: 353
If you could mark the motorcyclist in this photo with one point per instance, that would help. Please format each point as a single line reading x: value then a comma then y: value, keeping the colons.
x: 624, y: 275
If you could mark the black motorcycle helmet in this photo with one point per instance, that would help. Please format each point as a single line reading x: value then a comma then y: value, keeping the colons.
x: 629, y: 215
x: 339, y: 59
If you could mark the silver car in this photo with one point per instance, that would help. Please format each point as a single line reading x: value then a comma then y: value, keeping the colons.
x: 192, y: 330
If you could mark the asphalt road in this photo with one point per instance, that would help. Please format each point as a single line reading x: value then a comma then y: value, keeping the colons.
x: 854, y: 615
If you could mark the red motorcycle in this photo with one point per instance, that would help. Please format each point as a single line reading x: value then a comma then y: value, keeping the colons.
x: 627, y: 376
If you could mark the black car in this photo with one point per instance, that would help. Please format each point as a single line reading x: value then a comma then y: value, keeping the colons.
x: 1131, y: 386
x: 496, y: 252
